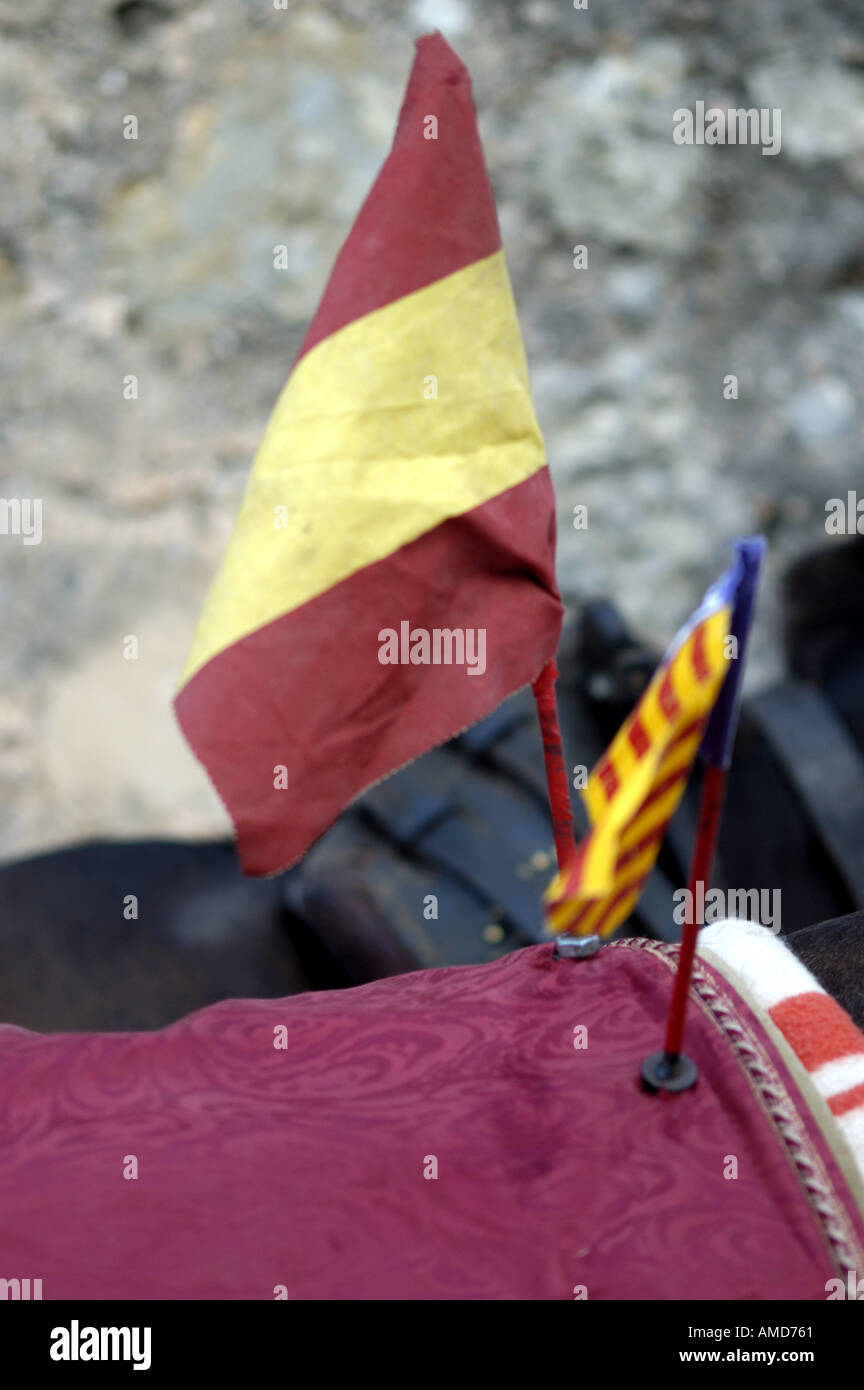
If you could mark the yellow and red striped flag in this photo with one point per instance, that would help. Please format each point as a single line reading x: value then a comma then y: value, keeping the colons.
x: 635, y: 788
x: 399, y: 514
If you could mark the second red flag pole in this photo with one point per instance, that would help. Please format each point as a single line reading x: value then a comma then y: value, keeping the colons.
x: 557, y: 779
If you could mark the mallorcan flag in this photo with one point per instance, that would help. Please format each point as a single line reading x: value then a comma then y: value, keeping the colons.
x: 391, y: 576
x: 635, y: 788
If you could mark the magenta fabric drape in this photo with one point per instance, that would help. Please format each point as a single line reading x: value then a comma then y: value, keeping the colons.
x: 262, y: 1167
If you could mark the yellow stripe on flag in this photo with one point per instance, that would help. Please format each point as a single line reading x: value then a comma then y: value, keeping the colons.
x: 363, y: 463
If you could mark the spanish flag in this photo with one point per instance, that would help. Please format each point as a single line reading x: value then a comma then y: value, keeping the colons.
x: 391, y: 575
x: 635, y: 789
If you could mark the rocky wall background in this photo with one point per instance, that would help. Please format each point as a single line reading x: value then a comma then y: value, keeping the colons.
x: 260, y: 126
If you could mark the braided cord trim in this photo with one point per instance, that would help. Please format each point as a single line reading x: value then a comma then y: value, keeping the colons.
x: 776, y: 1101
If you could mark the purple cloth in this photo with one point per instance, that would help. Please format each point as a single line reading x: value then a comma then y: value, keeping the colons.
x: 261, y: 1167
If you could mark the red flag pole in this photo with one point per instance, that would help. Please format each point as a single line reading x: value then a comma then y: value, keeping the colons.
x: 671, y: 1070
x: 701, y: 865
x: 556, y: 769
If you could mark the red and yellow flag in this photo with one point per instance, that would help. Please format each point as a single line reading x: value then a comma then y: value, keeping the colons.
x: 635, y: 789
x: 400, y: 493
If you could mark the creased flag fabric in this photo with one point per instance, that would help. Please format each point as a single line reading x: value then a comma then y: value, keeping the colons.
x: 635, y: 788
x: 400, y: 488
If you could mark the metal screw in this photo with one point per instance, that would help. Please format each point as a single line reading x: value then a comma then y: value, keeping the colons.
x: 577, y: 947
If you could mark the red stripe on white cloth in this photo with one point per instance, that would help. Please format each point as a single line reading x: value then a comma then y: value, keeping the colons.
x: 820, y: 1033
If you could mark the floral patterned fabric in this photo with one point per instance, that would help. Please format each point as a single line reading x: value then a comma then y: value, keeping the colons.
x: 469, y: 1133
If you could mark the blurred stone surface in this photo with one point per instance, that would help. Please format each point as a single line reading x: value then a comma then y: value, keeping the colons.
x: 260, y: 127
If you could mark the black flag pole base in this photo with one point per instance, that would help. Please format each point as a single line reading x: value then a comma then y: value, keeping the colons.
x: 662, y: 1072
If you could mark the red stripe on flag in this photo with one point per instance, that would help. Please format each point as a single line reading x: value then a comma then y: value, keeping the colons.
x: 633, y: 851
x: 700, y: 664
x: 623, y: 892
x: 574, y: 921
x: 667, y: 699
x: 690, y: 730
x: 660, y: 789
x: 281, y: 697
x: 626, y: 856
x: 571, y: 887
x: 429, y: 213
x: 639, y: 739
x: 608, y: 778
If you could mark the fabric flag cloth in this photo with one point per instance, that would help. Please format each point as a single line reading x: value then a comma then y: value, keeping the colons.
x: 391, y: 576
x: 634, y: 790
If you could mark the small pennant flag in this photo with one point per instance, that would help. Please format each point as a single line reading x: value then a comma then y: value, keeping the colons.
x: 391, y: 575
x: 634, y: 790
